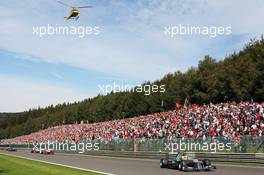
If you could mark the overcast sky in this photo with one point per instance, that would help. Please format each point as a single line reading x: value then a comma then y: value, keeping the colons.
x: 131, y: 47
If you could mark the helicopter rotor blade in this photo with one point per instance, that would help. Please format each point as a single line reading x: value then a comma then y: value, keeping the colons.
x: 89, y: 6
x: 62, y: 3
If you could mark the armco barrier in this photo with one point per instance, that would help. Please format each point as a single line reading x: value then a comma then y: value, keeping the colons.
x: 259, y: 158
x: 216, y: 157
x: 149, y: 155
x: 229, y: 157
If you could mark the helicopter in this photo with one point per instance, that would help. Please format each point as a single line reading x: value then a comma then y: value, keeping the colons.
x: 74, y: 14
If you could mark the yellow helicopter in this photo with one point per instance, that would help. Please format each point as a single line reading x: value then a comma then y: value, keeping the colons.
x: 74, y: 14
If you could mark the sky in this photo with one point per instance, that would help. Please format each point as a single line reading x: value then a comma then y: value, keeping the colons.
x: 131, y: 46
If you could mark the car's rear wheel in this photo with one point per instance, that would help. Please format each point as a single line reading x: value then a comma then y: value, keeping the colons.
x: 207, y: 161
x: 207, y: 164
x: 162, y: 163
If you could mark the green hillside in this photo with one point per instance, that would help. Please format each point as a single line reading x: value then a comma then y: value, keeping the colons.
x: 238, y: 77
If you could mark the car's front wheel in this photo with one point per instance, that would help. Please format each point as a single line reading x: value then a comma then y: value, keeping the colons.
x: 180, y: 166
x: 183, y: 168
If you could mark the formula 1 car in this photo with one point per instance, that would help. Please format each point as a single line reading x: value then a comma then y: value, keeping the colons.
x: 10, y: 149
x: 35, y: 150
x: 47, y: 151
x: 185, y: 162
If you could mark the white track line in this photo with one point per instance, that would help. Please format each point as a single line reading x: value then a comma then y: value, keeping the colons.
x: 58, y: 164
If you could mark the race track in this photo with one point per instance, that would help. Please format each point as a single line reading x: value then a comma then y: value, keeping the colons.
x: 126, y: 166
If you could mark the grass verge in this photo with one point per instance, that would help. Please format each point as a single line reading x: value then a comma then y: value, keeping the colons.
x: 10, y: 165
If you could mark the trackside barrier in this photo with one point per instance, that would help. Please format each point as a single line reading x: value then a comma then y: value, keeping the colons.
x: 247, y: 144
x: 216, y: 157
x: 248, y: 150
x: 259, y: 158
x: 229, y: 157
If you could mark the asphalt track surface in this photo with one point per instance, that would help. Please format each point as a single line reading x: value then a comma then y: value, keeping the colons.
x: 126, y: 166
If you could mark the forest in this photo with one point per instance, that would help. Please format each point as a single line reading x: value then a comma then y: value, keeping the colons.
x: 237, y: 77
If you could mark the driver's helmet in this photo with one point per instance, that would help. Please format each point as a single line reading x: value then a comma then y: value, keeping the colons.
x: 184, y: 156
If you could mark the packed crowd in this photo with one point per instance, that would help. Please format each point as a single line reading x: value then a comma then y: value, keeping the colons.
x: 232, y: 120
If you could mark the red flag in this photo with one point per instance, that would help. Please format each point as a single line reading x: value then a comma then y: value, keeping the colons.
x: 177, y: 104
x: 194, y: 105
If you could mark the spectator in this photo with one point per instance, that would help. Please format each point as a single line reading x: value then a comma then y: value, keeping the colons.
x: 230, y: 120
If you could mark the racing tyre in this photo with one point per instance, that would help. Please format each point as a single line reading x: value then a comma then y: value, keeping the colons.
x: 180, y: 166
x: 162, y: 163
x: 207, y: 163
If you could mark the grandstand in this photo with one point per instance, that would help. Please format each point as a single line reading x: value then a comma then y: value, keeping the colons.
x: 227, y: 120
